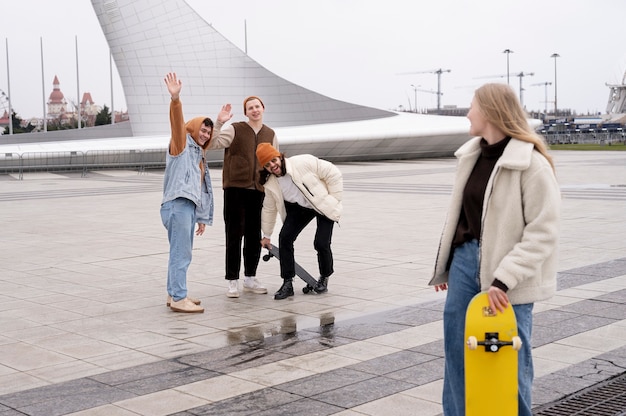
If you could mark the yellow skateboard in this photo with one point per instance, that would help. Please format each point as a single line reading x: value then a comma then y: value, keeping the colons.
x: 490, y: 359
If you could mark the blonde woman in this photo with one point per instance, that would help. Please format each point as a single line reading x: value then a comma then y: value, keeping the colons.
x: 500, y: 235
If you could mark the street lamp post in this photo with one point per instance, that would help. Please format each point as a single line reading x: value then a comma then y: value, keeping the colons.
x: 555, y: 55
x: 507, y: 51
x: 415, y: 100
x: 9, y: 89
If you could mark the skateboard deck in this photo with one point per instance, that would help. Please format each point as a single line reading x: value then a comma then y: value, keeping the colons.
x: 491, y: 352
x: 300, y: 272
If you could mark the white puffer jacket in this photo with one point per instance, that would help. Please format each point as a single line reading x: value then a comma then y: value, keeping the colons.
x: 520, y: 222
x: 319, y: 181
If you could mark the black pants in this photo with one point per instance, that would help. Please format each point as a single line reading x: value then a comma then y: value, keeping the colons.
x: 297, y: 218
x: 242, y: 220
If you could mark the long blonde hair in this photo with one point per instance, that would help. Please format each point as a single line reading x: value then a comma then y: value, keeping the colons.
x: 500, y: 107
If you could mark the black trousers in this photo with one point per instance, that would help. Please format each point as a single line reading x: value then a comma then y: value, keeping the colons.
x: 242, y: 220
x: 297, y: 219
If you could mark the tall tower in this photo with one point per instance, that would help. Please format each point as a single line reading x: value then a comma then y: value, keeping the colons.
x: 57, y: 105
x: 617, y: 97
x: 148, y: 39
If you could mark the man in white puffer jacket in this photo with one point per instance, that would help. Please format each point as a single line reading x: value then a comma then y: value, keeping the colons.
x: 299, y: 188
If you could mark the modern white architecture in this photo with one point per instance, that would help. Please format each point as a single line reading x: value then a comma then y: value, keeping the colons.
x: 151, y: 38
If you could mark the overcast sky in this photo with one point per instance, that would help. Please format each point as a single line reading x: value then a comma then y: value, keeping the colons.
x: 353, y: 50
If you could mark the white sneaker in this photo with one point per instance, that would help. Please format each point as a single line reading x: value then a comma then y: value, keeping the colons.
x: 252, y: 284
x: 233, y: 289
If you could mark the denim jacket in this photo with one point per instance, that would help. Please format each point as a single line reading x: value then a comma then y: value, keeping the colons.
x: 182, y: 180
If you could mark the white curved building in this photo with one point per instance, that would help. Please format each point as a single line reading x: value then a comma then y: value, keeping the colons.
x: 151, y: 38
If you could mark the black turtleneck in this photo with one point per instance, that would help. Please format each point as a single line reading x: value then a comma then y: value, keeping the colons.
x: 469, y: 226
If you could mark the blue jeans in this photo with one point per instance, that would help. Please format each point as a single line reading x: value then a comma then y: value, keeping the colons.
x: 463, y: 284
x: 179, y: 218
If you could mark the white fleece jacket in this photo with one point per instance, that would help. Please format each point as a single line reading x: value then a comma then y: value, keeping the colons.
x: 520, y: 222
x: 319, y: 181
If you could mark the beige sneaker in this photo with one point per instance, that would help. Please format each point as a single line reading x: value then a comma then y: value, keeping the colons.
x: 185, y: 305
x: 194, y: 300
x: 233, y: 289
x: 252, y: 284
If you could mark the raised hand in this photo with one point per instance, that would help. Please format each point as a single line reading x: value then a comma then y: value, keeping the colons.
x: 174, y: 85
x: 225, y: 114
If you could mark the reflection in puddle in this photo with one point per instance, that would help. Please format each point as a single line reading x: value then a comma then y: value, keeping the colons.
x: 327, y: 329
x: 254, y: 336
x: 257, y: 333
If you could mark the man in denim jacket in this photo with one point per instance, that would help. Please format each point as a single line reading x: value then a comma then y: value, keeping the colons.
x: 187, y: 195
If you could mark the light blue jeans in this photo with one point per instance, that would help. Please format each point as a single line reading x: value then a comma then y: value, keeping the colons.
x: 463, y: 284
x: 179, y: 218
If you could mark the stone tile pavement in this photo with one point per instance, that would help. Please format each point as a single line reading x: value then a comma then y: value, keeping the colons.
x: 85, y: 330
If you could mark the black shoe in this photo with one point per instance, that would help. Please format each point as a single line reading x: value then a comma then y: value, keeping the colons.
x: 285, y: 290
x: 322, y: 285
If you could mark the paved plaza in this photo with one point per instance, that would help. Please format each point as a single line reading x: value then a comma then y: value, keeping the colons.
x: 84, y: 329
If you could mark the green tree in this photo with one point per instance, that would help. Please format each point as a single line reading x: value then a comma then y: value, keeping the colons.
x: 17, y: 125
x: 103, y: 117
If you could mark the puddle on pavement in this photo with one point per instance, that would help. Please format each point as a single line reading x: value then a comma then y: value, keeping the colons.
x: 286, y: 326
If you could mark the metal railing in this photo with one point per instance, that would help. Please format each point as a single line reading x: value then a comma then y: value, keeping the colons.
x: 583, y: 137
x: 68, y: 161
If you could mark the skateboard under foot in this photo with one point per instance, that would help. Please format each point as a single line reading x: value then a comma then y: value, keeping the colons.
x: 310, y: 281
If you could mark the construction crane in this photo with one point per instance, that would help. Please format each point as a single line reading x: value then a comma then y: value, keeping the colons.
x: 521, y: 76
x: 434, y: 71
x: 416, y: 89
x: 545, y: 84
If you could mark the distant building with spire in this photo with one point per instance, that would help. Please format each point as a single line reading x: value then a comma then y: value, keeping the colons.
x: 57, y: 104
x: 57, y: 107
x: 89, y: 110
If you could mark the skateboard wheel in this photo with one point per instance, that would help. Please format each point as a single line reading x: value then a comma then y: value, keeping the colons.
x: 472, y: 343
x: 306, y: 290
x: 517, y: 343
x: 266, y: 257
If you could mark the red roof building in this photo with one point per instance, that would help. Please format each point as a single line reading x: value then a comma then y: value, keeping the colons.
x: 4, y: 120
x: 57, y: 105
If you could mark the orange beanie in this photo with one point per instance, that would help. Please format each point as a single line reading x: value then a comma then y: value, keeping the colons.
x: 266, y: 152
